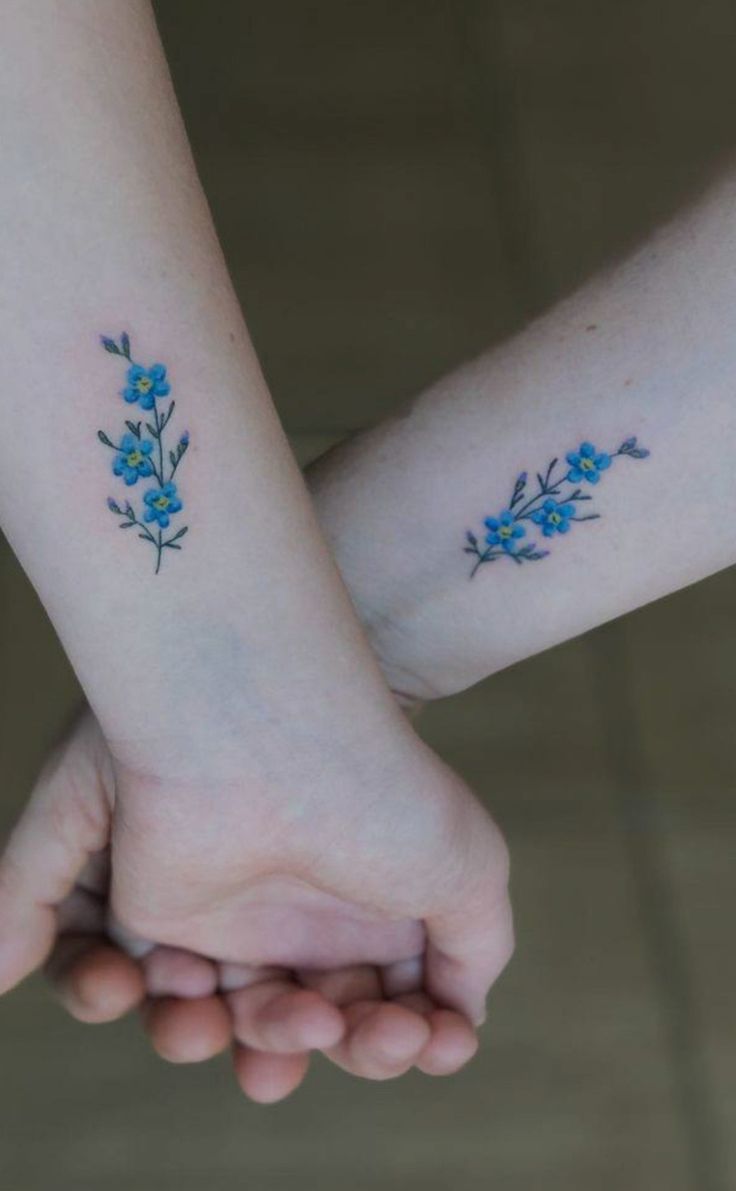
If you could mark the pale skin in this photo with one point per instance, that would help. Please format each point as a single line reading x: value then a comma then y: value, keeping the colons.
x: 265, y: 800
x: 645, y: 350
x: 659, y: 332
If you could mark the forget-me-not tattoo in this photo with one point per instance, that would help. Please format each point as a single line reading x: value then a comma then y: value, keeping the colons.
x: 552, y: 509
x: 140, y: 457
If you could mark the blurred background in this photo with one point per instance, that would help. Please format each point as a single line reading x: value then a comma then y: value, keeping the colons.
x: 398, y: 183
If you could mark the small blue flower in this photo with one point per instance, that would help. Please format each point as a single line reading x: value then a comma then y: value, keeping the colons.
x: 161, y: 503
x: 553, y: 518
x: 587, y: 464
x: 503, y: 530
x: 184, y: 440
x: 131, y: 461
x: 145, y: 385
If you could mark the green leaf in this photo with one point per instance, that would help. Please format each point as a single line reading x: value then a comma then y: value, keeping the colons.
x: 152, y: 429
x: 104, y: 439
x: 178, y: 535
x: 134, y: 428
x: 126, y: 524
x: 110, y: 345
x: 125, y: 343
x: 167, y: 416
x: 173, y: 459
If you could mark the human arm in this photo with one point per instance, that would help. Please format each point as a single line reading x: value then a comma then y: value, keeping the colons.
x: 250, y: 734
x: 646, y: 349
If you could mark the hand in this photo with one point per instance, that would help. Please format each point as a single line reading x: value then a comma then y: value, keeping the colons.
x: 271, y: 1011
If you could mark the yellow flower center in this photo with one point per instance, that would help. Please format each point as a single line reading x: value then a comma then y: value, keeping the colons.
x: 161, y: 502
x: 135, y: 458
x: 505, y: 531
x: 555, y: 518
x: 144, y: 384
x: 587, y: 464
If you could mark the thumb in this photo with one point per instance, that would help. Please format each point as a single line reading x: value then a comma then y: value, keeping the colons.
x: 67, y: 818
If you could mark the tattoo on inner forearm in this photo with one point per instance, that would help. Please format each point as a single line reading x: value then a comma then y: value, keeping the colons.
x: 139, y: 457
x: 553, y: 508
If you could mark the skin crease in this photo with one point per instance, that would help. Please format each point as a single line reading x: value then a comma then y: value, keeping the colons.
x: 374, y: 1020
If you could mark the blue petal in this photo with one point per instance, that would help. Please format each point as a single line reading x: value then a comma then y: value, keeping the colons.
x: 539, y: 517
x: 573, y: 457
x: 548, y: 530
x: 149, y: 515
x: 169, y: 489
x: 127, y: 442
x: 157, y: 372
x: 575, y: 475
x: 161, y: 388
x: 506, y: 517
x: 519, y: 531
x: 131, y: 476
x: 602, y: 461
x: 492, y: 523
x: 566, y: 510
x: 150, y: 495
x: 130, y: 395
x: 146, y: 447
x: 587, y: 449
x: 135, y: 372
x: 148, y: 400
x: 163, y: 519
x: 550, y: 505
x: 118, y: 465
x: 563, y: 527
x: 592, y: 477
x: 145, y: 468
x: 492, y: 539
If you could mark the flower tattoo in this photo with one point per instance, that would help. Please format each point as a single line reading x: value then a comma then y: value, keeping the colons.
x: 553, y: 508
x: 139, y: 457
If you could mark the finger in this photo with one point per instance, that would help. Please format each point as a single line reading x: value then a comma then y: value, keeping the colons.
x: 360, y: 982
x: 231, y: 977
x: 93, y: 980
x: 172, y: 972
x: 188, y: 1031
x: 453, y: 1041
x: 280, y: 1016
x: 468, y: 947
x: 66, y: 820
x: 382, y: 1041
x: 267, y: 1078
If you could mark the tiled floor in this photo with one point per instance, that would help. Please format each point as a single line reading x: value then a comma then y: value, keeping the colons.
x: 397, y: 183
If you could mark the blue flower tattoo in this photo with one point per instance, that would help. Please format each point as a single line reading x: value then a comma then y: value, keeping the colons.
x: 552, y: 508
x: 161, y: 503
x: 139, y: 456
x: 503, y: 531
x: 132, y: 461
x: 145, y: 385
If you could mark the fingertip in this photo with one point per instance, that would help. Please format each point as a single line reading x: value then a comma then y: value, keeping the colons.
x: 101, y: 986
x: 269, y: 1078
x: 188, y: 1031
x: 386, y: 1041
x: 452, y: 1044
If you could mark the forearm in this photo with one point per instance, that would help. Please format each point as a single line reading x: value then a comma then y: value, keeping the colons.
x: 646, y: 350
x: 104, y: 229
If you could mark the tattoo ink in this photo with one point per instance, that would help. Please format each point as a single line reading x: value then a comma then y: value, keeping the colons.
x: 140, y: 456
x: 553, y: 508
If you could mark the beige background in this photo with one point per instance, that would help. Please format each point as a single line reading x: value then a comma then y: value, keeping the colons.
x: 397, y: 183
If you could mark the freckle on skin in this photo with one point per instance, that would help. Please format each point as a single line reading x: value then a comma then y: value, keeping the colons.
x: 592, y: 327
x: 627, y: 382
x: 232, y: 336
